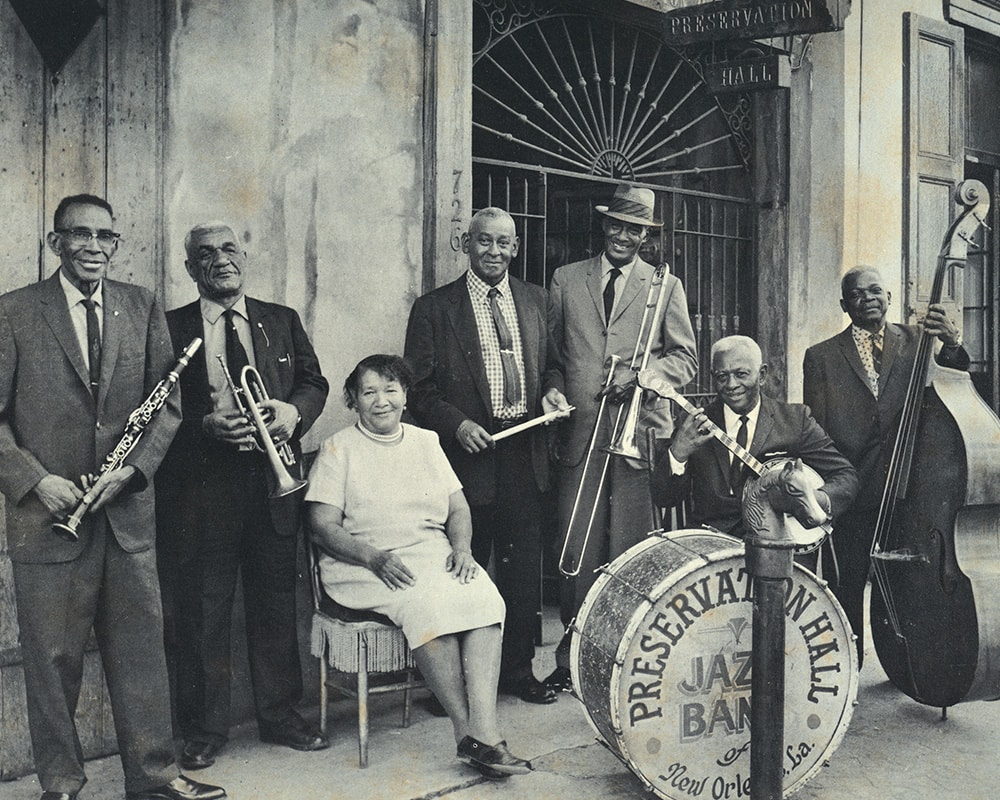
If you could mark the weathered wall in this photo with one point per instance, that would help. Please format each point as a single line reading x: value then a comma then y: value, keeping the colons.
x: 301, y: 123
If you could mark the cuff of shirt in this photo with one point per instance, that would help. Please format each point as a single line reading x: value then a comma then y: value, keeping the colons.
x: 676, y: 467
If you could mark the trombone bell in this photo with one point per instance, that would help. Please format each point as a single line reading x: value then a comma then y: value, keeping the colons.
x: 625, y: 442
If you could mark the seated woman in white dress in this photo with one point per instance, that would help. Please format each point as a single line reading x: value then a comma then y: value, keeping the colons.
x: 388, y: 511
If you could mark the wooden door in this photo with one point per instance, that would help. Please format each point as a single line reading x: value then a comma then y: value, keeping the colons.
x: 933, y: 154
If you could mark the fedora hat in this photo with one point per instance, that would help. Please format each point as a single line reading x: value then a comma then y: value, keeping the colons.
x: 631, y: 204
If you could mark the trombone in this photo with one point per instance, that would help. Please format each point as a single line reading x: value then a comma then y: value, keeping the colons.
x: 624, y: 432
x: 625, y: 440
x: 248, y: 396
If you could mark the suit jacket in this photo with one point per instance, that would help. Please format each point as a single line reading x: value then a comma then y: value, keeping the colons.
x: 584, y: 344
x: 836, y: 389
x: 450, y: 385
x: 51, y: 423
x: 782, y: 429
x: 290, y: 371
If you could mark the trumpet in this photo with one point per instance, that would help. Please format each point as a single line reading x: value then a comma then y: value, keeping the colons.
x: 248, y: 396
x: 624, y: 433
x: 137, y: 422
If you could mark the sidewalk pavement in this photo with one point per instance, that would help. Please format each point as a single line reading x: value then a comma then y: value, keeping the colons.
x: 894, y: 749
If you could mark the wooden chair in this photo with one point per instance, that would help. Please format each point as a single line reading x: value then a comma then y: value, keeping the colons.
x: 353, y: 645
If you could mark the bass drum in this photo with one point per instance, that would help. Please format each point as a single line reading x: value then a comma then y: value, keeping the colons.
x: 661, y: 658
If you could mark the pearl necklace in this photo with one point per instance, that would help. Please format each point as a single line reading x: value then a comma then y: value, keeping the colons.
x: 386, y: 438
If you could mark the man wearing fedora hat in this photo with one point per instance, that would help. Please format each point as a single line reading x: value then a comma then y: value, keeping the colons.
x: 598, y: 310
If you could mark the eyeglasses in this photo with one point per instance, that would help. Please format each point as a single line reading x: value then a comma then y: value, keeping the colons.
x: 616, y: 228
x: 78, y: 237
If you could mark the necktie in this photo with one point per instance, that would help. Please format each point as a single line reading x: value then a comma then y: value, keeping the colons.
x: 876, y: 344
x: 609, y: 293
x: 236, y: 354
x: 93, y: 344
x: 511, y: 381
x: 736, y: 467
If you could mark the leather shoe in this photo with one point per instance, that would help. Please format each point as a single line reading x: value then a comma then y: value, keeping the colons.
x: 489, y: 773
x: 297, y: 738
x: 529, y: 689
x: 198, y: 755
x: 180, y: 788
x: 560, y: 680
x: 61, y: 796
x: 497, y: 757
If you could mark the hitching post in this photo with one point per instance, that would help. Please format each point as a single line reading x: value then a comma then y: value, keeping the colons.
x: 769, y: 564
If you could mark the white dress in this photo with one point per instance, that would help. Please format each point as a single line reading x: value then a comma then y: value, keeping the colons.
x: 395, y: 497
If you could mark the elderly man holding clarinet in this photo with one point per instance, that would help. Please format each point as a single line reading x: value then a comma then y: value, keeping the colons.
x: 79, y: 355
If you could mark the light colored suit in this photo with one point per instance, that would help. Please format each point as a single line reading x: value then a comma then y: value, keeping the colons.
x: 584, y: 344
x: 51, y: 423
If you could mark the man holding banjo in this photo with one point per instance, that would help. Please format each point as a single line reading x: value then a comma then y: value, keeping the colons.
x: 480, y: 349
x: 713, y: 475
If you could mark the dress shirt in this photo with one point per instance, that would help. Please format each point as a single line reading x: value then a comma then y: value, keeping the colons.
x: 490, y: 344
x: 78, y: 313
x: 732, y: 425
x: 214, y: 324
x: 626, y: 270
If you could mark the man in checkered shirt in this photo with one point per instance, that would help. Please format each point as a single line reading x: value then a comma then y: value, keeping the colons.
x: 480, y: 348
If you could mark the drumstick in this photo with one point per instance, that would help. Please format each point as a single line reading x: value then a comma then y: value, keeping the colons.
x: 531, y: 423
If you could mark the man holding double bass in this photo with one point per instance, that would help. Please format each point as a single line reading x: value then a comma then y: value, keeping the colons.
x: 855, y: 383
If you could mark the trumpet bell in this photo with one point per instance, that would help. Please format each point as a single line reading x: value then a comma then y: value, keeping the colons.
x: 66, y: 530
x: 287, y: 485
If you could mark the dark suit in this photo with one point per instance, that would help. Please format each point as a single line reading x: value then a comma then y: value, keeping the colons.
x: 782, y: 429
x: 502, y: 484
x: 50, y: 423
x: 836, y: 388
x: 215, y: 519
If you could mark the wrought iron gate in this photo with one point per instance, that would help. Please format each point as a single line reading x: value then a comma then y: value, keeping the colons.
x: 568, y: 104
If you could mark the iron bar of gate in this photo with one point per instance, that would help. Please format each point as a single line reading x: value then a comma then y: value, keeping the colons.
x: 581, y: 80
x: 568, y: 88
x: 555, y: 96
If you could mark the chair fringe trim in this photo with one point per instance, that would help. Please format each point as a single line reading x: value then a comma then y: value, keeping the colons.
x: 387, y: 650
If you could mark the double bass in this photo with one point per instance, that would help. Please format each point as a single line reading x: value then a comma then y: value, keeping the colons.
x: 935, y: 601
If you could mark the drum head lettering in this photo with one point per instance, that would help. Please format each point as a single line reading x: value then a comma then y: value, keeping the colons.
x: 662, y: 660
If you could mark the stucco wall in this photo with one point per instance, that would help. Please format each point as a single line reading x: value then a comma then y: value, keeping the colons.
x: 301, y: 123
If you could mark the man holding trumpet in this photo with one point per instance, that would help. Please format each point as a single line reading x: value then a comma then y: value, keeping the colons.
x: 228, y: 501
x: 480, y: 347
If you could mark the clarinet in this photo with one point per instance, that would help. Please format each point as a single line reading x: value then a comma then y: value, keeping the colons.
x: 138, y: 421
